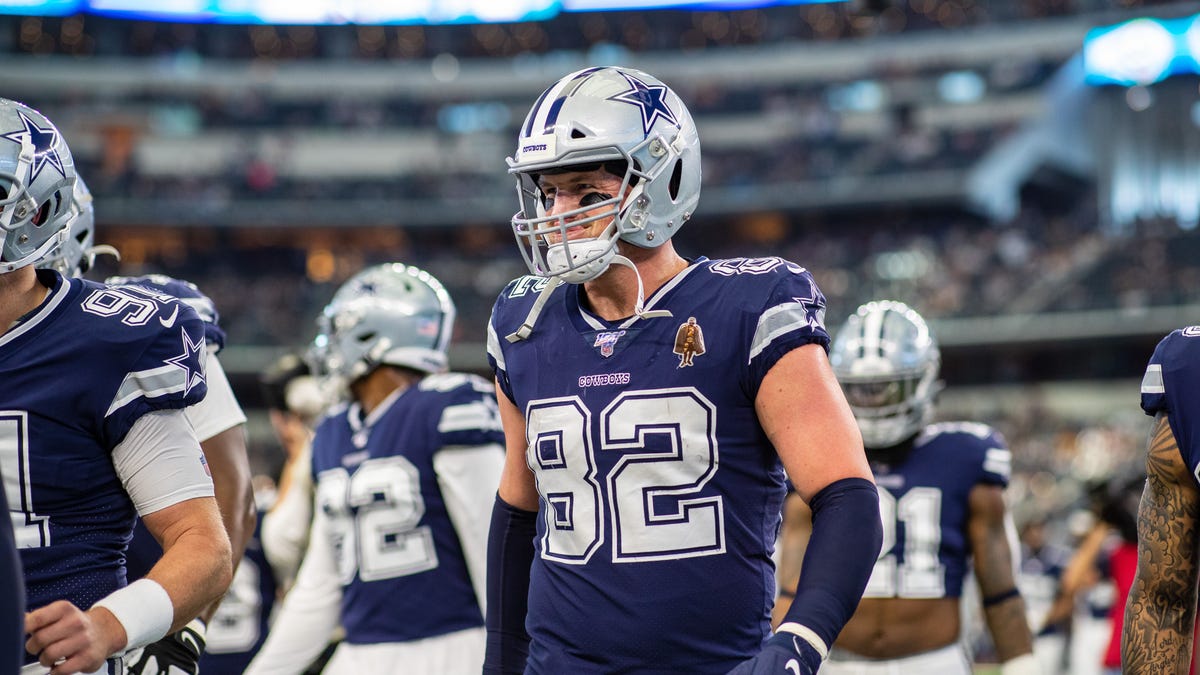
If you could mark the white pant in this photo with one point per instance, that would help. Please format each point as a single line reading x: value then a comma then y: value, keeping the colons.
x: 949, y: 660
x: 450, y: 654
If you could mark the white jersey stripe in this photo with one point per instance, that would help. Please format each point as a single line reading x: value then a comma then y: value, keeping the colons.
x: 165, y: 379
x: 998, y: 461
x: 468, y: 416
x: 1152, y: 381
x: 493, y: 347
x: 777, y: 322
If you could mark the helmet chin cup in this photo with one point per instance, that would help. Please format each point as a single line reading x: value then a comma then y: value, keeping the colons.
x: 588, y: 259
x: 886, y: 432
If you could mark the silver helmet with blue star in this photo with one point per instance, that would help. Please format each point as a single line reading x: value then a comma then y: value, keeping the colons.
x: 390, y: 314
x: 37, y: 176
x: 633, y: 125
x: 887, y: 361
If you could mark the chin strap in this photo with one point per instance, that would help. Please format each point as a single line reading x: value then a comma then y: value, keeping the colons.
x: 526, y: 328
x: 639, y: 307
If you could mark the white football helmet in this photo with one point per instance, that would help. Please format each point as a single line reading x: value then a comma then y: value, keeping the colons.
x: 37, y: 175
x: 887, y: 362
x: 76, y: 255
x: 390, y: 314
x: 618, y: 118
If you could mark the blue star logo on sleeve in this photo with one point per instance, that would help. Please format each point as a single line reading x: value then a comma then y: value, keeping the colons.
x: 193, y: 353
x: 650, y: 99
x: 43, y: 142
x: 814, y: 307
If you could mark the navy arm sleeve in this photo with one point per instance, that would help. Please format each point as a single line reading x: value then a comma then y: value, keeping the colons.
x: 846, y: 537
x: 509, y: 557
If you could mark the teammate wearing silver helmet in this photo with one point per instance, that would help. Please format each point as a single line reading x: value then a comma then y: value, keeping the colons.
x: 651, y: 404
x: 941, y: 502
x: 404, y: 470
x: 93, y: 434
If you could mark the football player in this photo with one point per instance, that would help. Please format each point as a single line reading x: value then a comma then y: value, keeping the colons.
x: 93, y: 434
x: 942, y: 504
x: 651, y: 404
x: 1160, y: 614
x: 218, y: 422
x: 404, y: 473
x: 236, y: 631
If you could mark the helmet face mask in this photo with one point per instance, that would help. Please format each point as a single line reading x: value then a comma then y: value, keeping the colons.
x: 37, y: 176
x: 545, y: 243
x: 390, y: 314
x: 605, y: 117
x: 887, y: 362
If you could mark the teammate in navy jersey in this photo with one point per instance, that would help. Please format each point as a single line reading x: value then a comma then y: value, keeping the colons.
x: 218, y: 422
x: 1161, y: 612
x: 404, y: 473
x: 647, y: 405
x: 942, y: 504
x: 12, y: 597
x: 236, y: 631
x: 92, y: 432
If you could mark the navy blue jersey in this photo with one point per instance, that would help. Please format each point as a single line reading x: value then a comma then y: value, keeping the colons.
x: 660, y: 494
x: 1172, y: 385
x: 402, y: 568
x: 12, y: 600
x: 77, y: 373
x: 187, y: 293
x: 144, y: 550
x: 923, y: 503
x: 239, y: 627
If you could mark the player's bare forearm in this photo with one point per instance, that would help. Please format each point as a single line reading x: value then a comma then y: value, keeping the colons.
x: 196, y: 566
x: 1160, y: 613
x: 1009, y: 627
x: 230, y: 465
x: 1004, y: 609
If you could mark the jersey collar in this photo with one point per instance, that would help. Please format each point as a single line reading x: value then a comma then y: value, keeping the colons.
x: 59, y: 288
x: 593, y: 322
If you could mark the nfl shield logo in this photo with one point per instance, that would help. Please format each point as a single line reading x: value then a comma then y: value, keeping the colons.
x: 606, y: 342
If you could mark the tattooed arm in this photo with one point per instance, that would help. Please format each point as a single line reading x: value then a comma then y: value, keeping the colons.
x: 1160, y: 614
x: 993, y: 558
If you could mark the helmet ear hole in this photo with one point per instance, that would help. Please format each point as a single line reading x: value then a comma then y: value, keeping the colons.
x: 39, y: 218
x: 576, y: 132
x: 676, y: 179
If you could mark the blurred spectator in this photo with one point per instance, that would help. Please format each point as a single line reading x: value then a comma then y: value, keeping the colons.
x: 1042, y: 566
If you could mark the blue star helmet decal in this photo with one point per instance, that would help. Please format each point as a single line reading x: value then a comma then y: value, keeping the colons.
x: 651, y: 100
x: 43, y: 141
